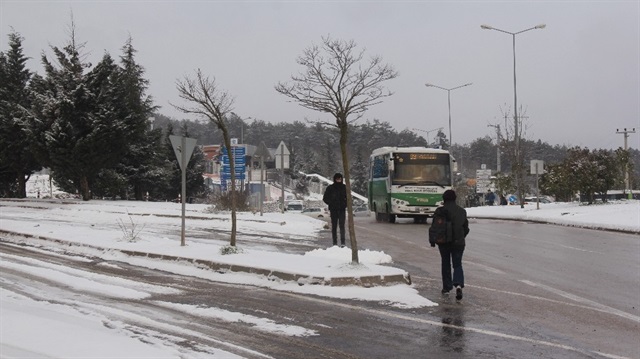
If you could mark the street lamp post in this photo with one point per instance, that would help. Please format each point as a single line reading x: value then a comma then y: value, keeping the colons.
x: 497, y: 127
x: 518, y: 169
x: 449, y: 102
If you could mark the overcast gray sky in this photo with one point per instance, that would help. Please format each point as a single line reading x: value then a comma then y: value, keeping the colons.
x: 578, y: 79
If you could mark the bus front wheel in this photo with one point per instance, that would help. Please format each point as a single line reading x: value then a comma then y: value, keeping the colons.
x: 378, y: 214
x: 390, y: 217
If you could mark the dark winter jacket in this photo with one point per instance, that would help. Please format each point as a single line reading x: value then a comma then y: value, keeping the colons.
x: 336, y: 197
x: 459, y: 222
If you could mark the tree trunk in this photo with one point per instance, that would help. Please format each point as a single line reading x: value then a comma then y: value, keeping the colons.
x: 84, y: 188
x: 138, y: 193
x: 232, y: 167
x: 347, y: 180
x: 22, y: 185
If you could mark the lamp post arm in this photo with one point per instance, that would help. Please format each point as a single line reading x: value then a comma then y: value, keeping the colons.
x: 518, y: 165
x: 432, y: 85
x: 455, y: 88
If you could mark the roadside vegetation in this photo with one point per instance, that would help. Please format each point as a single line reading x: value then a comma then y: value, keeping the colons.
x: 96, y: 129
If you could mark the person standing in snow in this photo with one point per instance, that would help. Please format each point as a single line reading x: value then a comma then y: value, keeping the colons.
x: 335, y: 196
x: 503, y: 200
x: 451, y: 253
x: 491, y: 197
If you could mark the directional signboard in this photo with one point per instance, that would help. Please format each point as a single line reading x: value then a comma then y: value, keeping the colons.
x: 537, y: 167
x: 239, y: 166
x: 483, y: 181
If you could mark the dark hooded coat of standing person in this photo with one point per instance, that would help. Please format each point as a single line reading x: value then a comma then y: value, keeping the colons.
x: 335, y: 196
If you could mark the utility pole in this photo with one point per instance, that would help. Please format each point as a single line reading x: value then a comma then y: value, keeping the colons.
x: 627, y: 185
x: 497, y: 127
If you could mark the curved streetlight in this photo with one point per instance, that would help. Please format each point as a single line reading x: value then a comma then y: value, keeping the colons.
x: 515, y: 106
x: 428, y: 132
x: 449, y: 102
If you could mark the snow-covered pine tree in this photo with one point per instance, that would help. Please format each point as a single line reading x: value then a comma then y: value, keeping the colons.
x: 359, y: 174
x: 143, y: 159
x: 80, y: 116
x: 17, y: 161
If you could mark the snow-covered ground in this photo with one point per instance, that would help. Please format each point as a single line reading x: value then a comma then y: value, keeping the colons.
x: 620, y: 215
x: 104, y: 225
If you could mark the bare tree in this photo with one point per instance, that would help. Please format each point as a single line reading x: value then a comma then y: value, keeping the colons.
x: 337, y: 80
x: 207, y: 100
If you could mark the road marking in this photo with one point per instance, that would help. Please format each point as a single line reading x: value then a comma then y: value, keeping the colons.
x: 486, y: 267
x: 592, y: 305
x: 578, y: 299
x: 457, y: 327
x: 579, y: 249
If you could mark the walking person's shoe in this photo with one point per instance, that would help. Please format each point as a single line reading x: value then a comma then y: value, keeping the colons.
x: 445, y: 291
x: 458, y: 293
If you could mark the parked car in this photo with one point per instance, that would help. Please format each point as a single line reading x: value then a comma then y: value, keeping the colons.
x: 316, y: 212
x: 534, y: 200
x: 294, y: 206
x: 361, y: 211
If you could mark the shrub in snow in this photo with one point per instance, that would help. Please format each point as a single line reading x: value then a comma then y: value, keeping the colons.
x: 130, y: 230
x: 230, y: 250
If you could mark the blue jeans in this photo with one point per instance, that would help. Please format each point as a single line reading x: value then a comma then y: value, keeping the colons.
x: 451, y: 255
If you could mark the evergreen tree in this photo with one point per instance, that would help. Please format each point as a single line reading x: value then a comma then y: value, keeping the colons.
x: 556, y: 181
x: 308, y: 161
x: 360, y: 174
x: 79, y: 129
x: 143, y: 160
x: 17, y: 161
x: 607, y: 172
x: 87, y: 121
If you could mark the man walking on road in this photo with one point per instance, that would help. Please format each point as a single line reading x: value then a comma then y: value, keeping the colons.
x: 451, y: 253
x: 335, y: 196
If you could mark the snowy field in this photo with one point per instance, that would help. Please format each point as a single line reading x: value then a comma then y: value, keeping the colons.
x: 73, y: 333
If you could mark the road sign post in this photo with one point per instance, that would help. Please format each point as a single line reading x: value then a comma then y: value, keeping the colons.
x: 282, y: 151
x: 537, y: 166
x: 183, y: 148
x: 263, y: 153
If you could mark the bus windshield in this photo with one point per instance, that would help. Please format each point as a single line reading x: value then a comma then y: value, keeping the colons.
x: 422, y: 169
x: 437, y: 175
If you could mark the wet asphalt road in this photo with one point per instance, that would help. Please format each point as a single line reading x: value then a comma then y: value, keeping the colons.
x: 532, y: 291
x: 544, y: 290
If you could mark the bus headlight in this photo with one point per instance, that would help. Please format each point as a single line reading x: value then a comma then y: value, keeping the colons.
x: 399, y: 202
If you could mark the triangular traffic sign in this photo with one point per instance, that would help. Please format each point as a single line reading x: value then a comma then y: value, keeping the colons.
x: 178, y: 142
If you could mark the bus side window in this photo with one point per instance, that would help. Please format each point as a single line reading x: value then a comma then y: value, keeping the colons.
x: 380, y: 167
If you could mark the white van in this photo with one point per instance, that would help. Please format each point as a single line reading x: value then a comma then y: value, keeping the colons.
x: 294, y: 206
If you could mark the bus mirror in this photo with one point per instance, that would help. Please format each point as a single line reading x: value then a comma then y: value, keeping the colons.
x: 391, y: 164
x: 455, y: 166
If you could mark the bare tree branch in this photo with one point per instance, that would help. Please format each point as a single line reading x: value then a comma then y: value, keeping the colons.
x: 337, y: 80
x: 204, y: 98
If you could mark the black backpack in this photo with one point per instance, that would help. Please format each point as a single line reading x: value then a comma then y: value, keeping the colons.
x: 441, y: 230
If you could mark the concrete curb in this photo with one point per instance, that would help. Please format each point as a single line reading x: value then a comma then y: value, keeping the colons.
x: 363, y: 281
